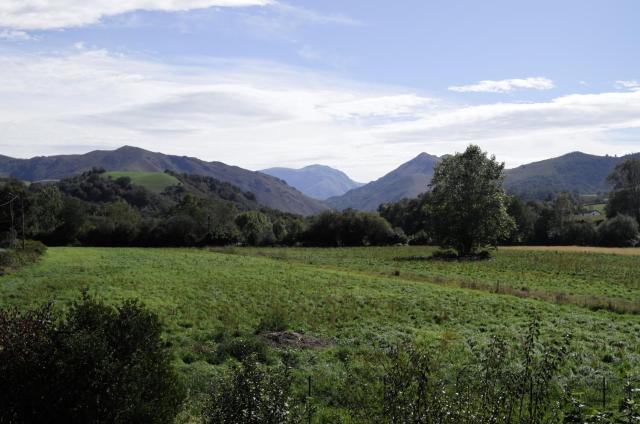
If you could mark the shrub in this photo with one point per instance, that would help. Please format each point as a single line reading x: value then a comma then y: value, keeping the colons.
x: 15, y: 258
x: 581, y: 233
x: 95, y: 364
x: 241, y: 348
x: 351, y: 228
x: 251, y: 394
x: 497, y: 383
x: 621, y: 230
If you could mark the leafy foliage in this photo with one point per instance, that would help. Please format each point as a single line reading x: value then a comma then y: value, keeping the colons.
x: 467, y: 207
x: 24, y: 255
x: 95, y: 209
x: 625, y: 196
x: 497, y: 383
x: 252, y: 394
x: 622, y: 230
x: 351, y: 228
x: 95, y: 364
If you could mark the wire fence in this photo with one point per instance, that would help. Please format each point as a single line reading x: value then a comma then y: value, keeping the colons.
x: 604, y: 392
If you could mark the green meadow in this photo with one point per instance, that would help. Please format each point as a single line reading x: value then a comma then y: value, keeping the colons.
x: 155, y: 182
x: 357, y: 301
x: 593, y: 277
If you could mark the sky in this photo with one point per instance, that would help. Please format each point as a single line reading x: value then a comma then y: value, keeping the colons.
x: 359, y: 85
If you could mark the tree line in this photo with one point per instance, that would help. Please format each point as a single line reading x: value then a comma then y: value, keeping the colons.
x: 94, y: 209
x: 464, y: 208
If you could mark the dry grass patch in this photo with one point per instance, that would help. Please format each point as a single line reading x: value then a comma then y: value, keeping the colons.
x: 631, y: 251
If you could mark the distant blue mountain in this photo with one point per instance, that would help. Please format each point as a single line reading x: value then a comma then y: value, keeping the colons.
x: 317, y: 181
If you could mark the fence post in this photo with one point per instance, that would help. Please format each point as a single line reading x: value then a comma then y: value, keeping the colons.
x: 309, y: 413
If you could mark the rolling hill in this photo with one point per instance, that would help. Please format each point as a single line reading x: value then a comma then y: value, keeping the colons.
x: 269, y: 191
x: 408, y: 180
x: 575, y: 172
x: 317, y: 181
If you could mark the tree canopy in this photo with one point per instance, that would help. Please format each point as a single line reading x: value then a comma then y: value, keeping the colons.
x: 468, y: 206
x: 625, y: 196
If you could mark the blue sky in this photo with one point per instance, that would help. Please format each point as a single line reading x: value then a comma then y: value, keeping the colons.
x: 358, y: 85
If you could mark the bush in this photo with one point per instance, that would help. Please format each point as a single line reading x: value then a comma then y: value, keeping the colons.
x: 95, y: 364
x: 351, y: 228
x: 421, y: 238
x: 498, y: 383
x: 241, y: 348
x: 581, y: 233
x: 251, y: 394
x: 15, y: 258
x: 622, y: 230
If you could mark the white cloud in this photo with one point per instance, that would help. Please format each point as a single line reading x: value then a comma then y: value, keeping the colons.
x: 258, y: 115
x: 309, y: 15
x: 55, y: 14
x: 631, y: 85
x: 505, y: 86
x: 14, y: 35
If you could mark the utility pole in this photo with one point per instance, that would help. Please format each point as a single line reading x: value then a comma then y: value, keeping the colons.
x: 24, y: 242
x: 12, y: 229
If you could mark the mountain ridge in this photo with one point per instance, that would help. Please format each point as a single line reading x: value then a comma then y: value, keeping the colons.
x: 408, y: 180
x: 575, y: 172
x: 269, y: 191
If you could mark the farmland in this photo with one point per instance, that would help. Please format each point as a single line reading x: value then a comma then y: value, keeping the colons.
x: 357, y: 300
x: 592, y: 277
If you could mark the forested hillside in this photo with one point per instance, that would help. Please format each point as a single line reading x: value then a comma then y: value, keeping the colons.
x: 269, y: 191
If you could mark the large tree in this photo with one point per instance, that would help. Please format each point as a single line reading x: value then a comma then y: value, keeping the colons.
x: 467, y: 209
x: 625, y: 196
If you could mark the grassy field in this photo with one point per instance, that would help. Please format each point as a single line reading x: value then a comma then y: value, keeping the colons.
x: 152, y: 181
x: 590, y: 277
x: 357, y: 300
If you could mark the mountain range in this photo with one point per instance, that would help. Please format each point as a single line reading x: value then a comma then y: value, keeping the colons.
x: 298, y: 190
x: 269, y: 191
x: 575, y: 172
x: 317, y: 181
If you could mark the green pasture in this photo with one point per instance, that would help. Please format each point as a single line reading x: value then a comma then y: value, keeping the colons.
x: 152, y: 181
x: 591, y: 279
x: 359, y: 301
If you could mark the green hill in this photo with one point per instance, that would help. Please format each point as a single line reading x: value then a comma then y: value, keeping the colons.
x: 574, y: 172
